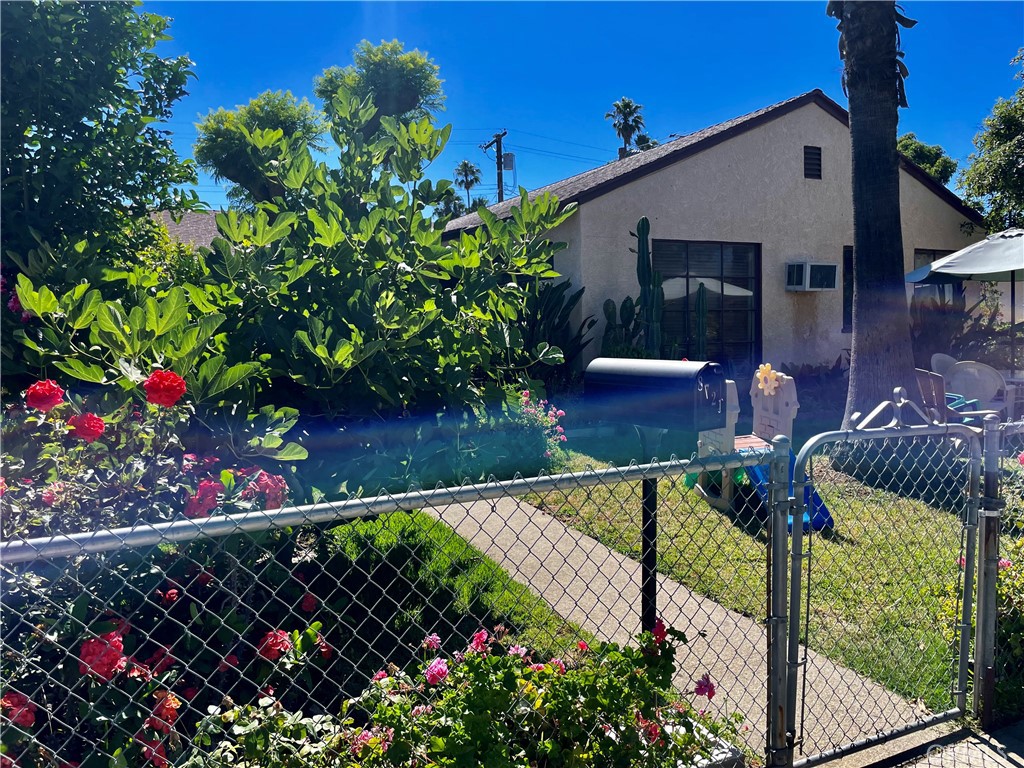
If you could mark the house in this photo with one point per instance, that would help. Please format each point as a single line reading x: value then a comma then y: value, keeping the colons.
x: 193, y: 228
x: 735, y: 206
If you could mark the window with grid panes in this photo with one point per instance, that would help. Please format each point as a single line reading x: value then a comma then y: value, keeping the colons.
x: 730, y: 273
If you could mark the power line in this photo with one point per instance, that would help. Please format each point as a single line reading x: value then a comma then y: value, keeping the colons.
x: 551, y: 153
x: 562, y: 141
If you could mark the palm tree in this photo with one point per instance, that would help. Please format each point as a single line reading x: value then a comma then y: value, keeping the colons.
x: 467, y: 176
x: 644, y: 142
x: 626, y: 120
x: 881, y: 356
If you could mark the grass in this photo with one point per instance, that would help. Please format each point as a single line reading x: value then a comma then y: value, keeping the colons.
x: 439, y: 582
x: 879, y: 585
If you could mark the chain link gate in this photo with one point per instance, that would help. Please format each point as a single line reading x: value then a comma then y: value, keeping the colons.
x: 880, y: 604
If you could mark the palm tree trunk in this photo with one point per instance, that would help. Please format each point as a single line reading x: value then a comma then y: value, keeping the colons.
x: 881, y: 358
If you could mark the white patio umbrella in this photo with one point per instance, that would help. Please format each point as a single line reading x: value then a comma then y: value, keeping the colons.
x: 675, y: 287
x: 999, y: 258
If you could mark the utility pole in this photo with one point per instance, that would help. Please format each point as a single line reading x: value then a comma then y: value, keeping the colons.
x: 496, y: 143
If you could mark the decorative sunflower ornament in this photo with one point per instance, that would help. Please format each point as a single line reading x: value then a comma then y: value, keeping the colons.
x: 767, y: 379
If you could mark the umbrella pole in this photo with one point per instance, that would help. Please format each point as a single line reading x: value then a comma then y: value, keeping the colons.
x: 1013, y: 323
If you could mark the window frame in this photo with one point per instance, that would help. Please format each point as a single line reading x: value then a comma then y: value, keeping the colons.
x: 756, y: 340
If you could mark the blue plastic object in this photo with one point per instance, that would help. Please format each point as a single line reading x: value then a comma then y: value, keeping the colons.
x: 816, y: 518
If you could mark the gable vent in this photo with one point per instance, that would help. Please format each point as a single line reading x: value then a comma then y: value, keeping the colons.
x: 812, y: 162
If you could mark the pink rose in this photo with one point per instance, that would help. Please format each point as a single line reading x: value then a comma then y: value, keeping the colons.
x: 432, y: 642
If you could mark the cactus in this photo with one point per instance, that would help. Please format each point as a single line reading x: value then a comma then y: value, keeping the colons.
x: 652, y: 296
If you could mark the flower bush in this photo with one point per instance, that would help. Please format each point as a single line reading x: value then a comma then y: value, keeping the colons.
x: 67, y: 469
x: 525, y: 438
x: 1009, y: 691
x: 196, y: 622
x: 493, y: 704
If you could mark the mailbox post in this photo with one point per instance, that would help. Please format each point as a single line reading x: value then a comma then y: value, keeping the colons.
x: 659, y: 394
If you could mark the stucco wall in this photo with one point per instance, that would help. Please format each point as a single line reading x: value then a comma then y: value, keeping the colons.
x: 751, y: 189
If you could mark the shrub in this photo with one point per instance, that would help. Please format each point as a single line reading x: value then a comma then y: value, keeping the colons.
x: 495, y: 703
x: 67, y: 469
x: 1009, y: 643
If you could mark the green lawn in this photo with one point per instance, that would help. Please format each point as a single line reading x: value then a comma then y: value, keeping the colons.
x: 879, y: 585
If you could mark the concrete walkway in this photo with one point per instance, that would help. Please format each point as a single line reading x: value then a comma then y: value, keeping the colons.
x: 598, y: 589
x: 949, y: 745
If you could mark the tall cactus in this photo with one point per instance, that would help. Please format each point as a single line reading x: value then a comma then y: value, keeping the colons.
x: 652, y: 296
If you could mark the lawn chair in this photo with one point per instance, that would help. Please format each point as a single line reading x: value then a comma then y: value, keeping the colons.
x: 944, y: 407
x: 942, y: 363
x: 977, y: 381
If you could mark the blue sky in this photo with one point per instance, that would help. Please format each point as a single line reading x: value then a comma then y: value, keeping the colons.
x: 548, y: 72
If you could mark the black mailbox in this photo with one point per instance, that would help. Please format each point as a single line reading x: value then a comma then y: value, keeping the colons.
x: 688, y: 396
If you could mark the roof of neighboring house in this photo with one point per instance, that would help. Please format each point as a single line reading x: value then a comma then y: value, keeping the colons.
x: 196, y: 227
x: 599, y: 181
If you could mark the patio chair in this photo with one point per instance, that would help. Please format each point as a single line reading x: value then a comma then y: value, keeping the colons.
x: 947, y: 408
x: 983, y: 383
x: 941, y: 363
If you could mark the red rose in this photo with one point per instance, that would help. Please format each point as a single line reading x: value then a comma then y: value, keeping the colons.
x: 275, y: 643
x: 164, y: 388
x: 18, y: 709
x: 309, y: 603
x: 168, y: 597
x: 86, y: 426
x: 228, y: 661
x: 44, y: 395
x: 102, y: 656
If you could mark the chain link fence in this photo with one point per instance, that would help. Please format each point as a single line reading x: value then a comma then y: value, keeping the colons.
x: 1008, y: 694
x: 338, y: 634
x: 881, y: 611
x: 341, y: 634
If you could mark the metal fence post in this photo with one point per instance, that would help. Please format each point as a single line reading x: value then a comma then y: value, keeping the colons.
x: 988, y: 561
x: 780, y: 722
x: 649, y: 555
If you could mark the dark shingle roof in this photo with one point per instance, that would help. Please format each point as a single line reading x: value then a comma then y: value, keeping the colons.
x: 195, y: 227
x: 594, y: 183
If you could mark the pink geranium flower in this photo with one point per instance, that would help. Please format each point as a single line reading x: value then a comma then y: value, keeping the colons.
x: 660, y: 632
x: 432, y: 642
x: 479, y: 642
x: 705, y: 687
x: 436, y: 671
x: 275, y: 644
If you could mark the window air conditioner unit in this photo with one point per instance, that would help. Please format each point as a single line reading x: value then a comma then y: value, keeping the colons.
x: 810, y: 276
